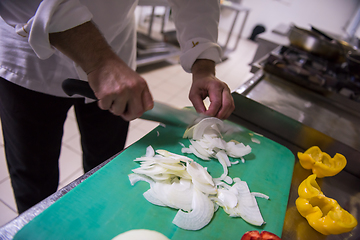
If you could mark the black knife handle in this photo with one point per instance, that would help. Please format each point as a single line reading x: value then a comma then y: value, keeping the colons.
x: 75, y: 86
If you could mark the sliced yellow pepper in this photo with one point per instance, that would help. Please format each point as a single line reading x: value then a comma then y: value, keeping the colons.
x: 323, y: 214
x: 321, y: 163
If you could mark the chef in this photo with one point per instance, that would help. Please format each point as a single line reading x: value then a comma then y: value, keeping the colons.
x: 42, y: 43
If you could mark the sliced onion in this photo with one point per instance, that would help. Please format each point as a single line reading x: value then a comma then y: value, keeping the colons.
x: 200, y: 128
x: 199, y: 173
x: 237, y: 150
x: 189, y: 132
x: 228, y: 180
x: 173, y: 155
x: 199, y: 149
x: 196, y: 153
x: 151, y: 197
x: 150, y: 152
x: 134, y: 178
x: 255, y: 140
x: 227, y: 198
x: 221, y: 156
x: 260, y: 195
x: 181, y: 183
x: 201, y: 214
x: 171, y: 195
x: 247, y: 207
x: 204, y: 188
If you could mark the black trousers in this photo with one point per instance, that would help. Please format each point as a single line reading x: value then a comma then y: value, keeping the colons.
x: 32, y: 124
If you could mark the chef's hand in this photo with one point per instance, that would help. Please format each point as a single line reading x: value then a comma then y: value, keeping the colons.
x: 119, y: 89
x: 205, y: 84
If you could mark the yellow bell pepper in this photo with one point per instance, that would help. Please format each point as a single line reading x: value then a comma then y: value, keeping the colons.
x: 321, y: 163
x: 323, y: 214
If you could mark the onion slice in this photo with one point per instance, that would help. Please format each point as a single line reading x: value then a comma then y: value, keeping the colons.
x: 201, y: 214
x: 247, y: 207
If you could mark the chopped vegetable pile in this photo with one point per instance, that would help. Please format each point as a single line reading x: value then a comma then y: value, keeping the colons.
x: 179, y: 182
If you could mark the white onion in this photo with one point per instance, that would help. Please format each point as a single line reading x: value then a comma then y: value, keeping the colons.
x: 199, y: 173
x: 150, y: 152
x: 200, y: 128
x: 227, y: 198
x: 228, y: 180
x: 222, y: 157
x: 151, y: 197
x: 247, y: 207
x: 181, y: 183
x: 201, y: 214
x: 196, y: 153
x: 260, y: 195
x: 255, y: 140
x: 199, y: 149
x: 134, y: 178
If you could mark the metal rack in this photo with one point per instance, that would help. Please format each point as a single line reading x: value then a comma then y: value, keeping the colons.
x: 151, y: 50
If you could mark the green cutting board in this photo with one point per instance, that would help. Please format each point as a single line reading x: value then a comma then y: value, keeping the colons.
x: 105, y: 204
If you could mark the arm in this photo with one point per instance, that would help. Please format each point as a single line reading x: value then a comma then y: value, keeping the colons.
x: 197, y: 31
x: 118, y: 88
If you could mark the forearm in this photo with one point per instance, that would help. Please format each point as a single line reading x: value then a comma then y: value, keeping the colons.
x: 85, y: 45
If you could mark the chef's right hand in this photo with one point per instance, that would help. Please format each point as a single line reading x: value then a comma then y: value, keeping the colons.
x: 120, y: 89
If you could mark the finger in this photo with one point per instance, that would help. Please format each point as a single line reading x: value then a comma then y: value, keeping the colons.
x: 119, y: 106
x: 215, y: 96
x: 138, y: 105
x: 147, y: 100
x: 134, y: 109
x: 106, y: 102
x: 228, y: 105
x: 197, y: 100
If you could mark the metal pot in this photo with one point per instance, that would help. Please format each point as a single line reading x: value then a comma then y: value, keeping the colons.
x: 317, y: 44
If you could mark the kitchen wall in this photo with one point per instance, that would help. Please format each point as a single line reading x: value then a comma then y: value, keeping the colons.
x: 328, y: 15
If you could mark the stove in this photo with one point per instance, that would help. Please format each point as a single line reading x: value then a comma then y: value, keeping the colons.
x: 325, y: 77
x: 316, y: 102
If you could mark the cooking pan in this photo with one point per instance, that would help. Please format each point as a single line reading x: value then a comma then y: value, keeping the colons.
x: 317, y: 44
x: 345, y: 45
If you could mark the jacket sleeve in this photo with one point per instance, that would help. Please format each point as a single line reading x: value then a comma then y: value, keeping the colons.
x: 196, y: 23
x: 48, y: 16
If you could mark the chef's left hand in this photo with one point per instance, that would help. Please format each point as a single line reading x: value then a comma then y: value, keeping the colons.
x: 205, y: 84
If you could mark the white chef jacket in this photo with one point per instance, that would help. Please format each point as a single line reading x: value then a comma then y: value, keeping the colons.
x: 28, y: 59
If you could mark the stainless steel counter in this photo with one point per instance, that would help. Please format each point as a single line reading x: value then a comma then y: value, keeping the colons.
x: 298, y: 119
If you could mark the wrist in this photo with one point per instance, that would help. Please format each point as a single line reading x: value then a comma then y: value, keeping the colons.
x: 203, y: 67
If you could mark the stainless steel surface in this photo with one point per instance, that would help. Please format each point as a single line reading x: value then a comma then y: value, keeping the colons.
x: 310, y: 118
x: 344, y: 187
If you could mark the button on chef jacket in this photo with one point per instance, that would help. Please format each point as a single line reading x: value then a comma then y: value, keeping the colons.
x: 28, y: 59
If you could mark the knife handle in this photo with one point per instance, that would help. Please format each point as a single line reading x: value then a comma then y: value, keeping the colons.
x: 75, y: 86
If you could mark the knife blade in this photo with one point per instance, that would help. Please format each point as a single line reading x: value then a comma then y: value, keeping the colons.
x: 161, y: 112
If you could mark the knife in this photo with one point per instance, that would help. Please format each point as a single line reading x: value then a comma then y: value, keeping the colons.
x: 161, y: 112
